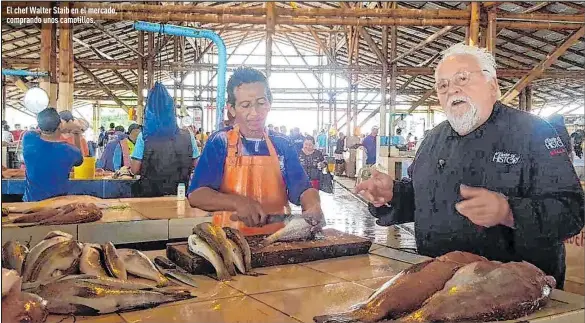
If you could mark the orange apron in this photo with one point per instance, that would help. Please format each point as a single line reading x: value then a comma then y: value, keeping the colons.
x: 256, y: 177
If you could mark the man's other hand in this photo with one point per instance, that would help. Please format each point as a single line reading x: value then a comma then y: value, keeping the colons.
x: 484, y: 207
x: 378, y: 190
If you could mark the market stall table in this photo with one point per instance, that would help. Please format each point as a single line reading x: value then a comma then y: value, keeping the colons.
x: 297, y: 293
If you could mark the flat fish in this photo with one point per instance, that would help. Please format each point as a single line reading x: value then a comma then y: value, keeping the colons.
x: 114, y: 265
x: 50, y: 240
x: 200, y: 247
x: 13, y: 256
x: 58, y: 260
x: 237, y: 237
x: 406, y: 291
x: 487, y: 291
x: 91, y: 261
x: 138, y: 264
x: 92, y: 297
x: 216, y: 238
x: 57, y: 202
x: 296, y: 228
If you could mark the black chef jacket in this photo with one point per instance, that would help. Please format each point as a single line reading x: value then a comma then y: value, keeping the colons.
x: 515, y: 153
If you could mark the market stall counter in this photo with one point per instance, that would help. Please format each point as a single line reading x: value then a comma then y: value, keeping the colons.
x: 299, y: 292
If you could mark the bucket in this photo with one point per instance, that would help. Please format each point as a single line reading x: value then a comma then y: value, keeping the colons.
x: 86, y: 170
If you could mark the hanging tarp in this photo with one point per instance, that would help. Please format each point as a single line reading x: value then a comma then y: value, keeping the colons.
x: 159, y: 114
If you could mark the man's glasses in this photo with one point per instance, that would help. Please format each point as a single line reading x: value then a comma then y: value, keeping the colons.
x: 459, y: 79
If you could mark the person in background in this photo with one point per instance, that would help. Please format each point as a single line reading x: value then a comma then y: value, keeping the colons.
x: 398, y: 139
x: 283, y: 131
x: 370, y: 144
x: 322, y: 141
x: 17, y: 132
x: 297, y: 139
x: 72, y: 132
x: 48, y: 159
x: 164, y: 155
x: 102, y: 142
x: 6, y: 134
x: 338, y: 154
x: 261, y: 173
x: 108, y: 160
x: 270, y: 128
x: 312, y: 160
x: 111, y: 133
x: 124, y: 148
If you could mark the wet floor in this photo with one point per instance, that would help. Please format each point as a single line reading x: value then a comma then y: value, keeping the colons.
x: 347, y: 213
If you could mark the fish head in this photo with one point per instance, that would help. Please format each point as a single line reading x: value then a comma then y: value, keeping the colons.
x: 57, y: 233
x: 35, y: 309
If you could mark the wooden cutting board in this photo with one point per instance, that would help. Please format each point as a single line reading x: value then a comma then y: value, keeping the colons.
x: 334, y: 244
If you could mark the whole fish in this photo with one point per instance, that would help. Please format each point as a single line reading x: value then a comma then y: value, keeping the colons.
x: 58, y: 260
x: 37, y: 216
x: 18, y: 306
x: 50, y: 240
x: 13, y: 256
x: 114, y: 265
x: 57, y: 202
x: 296, y: 228
x: 487, y: 291
x: 138, y: 264
x: 80, y: 213
x: 237, y: 237
x: 95, y: 297
x: 406, y: 291
x: 237, y: 256
x: 91, y: 261
x: 216, y: 238
x: 200, y: 247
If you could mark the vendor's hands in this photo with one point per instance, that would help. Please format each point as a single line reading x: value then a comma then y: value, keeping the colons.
x: 378, y: 190
x: 484, y: 207
x: 250, y: 212
x: 314, y: 215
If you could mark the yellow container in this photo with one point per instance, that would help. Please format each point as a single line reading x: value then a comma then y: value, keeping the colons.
x: 331, y: 167
x: 86, y: 170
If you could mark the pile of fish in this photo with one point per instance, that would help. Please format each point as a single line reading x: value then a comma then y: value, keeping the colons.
x: 225, y: 248
x: 52, y: 269
x: 67, y: 214
x: 455, y: 287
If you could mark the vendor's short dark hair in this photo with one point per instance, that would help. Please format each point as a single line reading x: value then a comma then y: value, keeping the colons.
x: 48, y: 120
x: 66, y: 116
x: 310, y: 138
x: 112, y: 125
x: 246, y: 75
x: 119, y: 128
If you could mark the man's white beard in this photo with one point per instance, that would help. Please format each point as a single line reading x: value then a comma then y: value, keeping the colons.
x: 463, y: 123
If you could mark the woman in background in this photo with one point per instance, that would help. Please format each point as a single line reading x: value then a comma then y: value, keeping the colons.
x: 312, y: 161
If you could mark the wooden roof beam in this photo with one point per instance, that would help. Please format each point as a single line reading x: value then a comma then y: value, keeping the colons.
x: 539, y: 69
x: 101, y: 85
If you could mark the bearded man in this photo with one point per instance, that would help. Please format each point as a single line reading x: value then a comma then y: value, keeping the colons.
x: 491, y: 180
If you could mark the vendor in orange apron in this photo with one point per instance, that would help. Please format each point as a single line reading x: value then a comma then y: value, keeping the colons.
x: 261, y: 171
x: 256, y: 177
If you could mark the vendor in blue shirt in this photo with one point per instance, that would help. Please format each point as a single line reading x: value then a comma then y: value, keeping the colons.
x: 246, y: 174
x: 48, y: 160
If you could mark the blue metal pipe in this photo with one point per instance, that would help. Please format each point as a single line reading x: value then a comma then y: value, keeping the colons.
x: 198, y: 33
x: 23, y: 73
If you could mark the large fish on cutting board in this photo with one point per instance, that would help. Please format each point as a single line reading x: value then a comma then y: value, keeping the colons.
x: 217, y: 239
x: 296, y: 228
x: 200, y: 247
